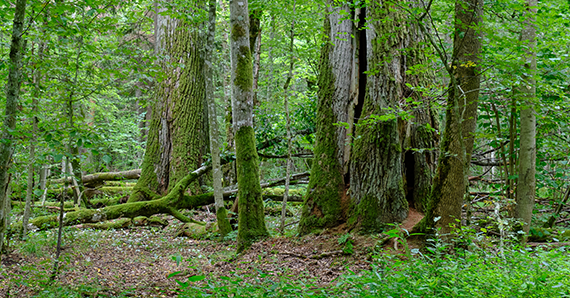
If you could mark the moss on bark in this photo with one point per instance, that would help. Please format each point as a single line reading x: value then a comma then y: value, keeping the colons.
x: 251, y: 218
x: 322, y: 208
x: 177, y: 134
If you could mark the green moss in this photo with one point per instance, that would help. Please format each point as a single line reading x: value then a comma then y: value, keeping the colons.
x: 238, y: 31
x: 322, y: 208
x: 251, y: 218
x: 244, y: 76
x: 223, y: 222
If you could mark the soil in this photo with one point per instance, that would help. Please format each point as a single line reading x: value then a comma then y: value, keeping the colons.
x: 137, y: 261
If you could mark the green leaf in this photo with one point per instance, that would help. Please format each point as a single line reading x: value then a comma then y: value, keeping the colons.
x: 196, y: 278
x: 106, y: 158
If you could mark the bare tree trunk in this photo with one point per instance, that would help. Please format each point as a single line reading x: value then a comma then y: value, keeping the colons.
x: 526, y: 189
x: 12, y: 98
x: 251, y: 218
x: 288, y: 124
x: 221, y: 213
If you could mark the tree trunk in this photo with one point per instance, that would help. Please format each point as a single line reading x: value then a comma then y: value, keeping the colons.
x: 251, y: 218
x: 461, y: 115
x: 176, y: 137
x: 377, y: 178
x: 255, y: 47
x: 221, y: 213
x: 526, y: 189
x: 337, y: 90
x: 12, y: 98
x: 288, y: 121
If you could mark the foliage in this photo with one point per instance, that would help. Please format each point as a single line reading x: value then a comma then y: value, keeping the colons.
x: 520, y: 273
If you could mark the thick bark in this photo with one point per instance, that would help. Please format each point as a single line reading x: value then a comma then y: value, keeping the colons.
x: 377, y: 185
x: 526, y: 188
x: 337, y: 90
x: 251, y: 218
x: 176, y: 138
x: 221, y: 214
x: 12, y: 98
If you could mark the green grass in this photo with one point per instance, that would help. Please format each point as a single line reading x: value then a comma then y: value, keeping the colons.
x: 519, y: 273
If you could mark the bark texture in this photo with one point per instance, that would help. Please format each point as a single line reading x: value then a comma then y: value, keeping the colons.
x: 251, y: 218
x: 177, y: 135
x: 461, y: 115
x: 337, y: 91
x: 12, y: 98
x: 377, y: 181
x: 526, y: 188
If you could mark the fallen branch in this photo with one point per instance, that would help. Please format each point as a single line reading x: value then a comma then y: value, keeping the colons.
x: 318, y: 256
x: 551, y: 244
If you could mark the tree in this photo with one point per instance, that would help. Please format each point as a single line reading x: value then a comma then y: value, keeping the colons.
x: 385, y: 157
x: 449, y: 185
x: 177, y: 135
x: 366, y: 79
x: 327, y: 189
x: 251, y: 219
x: 526, y: 188
x: 12, y: 98
x: 221, y: 213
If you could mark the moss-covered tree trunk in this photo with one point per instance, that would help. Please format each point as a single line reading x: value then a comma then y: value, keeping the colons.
x: 461, y: 115
x: 9, y: 123
x: 526, y: 189
x: 338, y: 89
x: 251, y: 219
x: 177, y: 135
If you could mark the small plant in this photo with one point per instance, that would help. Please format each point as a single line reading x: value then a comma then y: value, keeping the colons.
x: 348, y: 242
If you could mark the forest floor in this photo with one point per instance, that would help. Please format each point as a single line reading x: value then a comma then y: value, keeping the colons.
x: 152, y: 262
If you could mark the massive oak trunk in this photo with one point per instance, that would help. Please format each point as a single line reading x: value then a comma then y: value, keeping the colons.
x: 380, y: 166
x: 177, y: 134
x: 337, y: 90
x: 364, y: 82
x: 251, y: 218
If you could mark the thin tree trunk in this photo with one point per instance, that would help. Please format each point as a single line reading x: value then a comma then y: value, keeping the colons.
x: 12, y: 98
x: 526, y: 190
x: 251, y: 218
x: 44, y: 173
x: 288, y: 124
x: 255, y: 46
x: 450, y: 182
x: 221, y: 213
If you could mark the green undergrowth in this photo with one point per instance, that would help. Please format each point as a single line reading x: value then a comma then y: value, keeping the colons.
x: 516, y: 273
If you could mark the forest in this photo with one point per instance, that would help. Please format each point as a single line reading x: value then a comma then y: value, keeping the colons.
x: 285, y: 148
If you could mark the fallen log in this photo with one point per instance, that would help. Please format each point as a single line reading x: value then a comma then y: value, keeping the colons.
x: 168, y: 204
x: 97, y: 179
